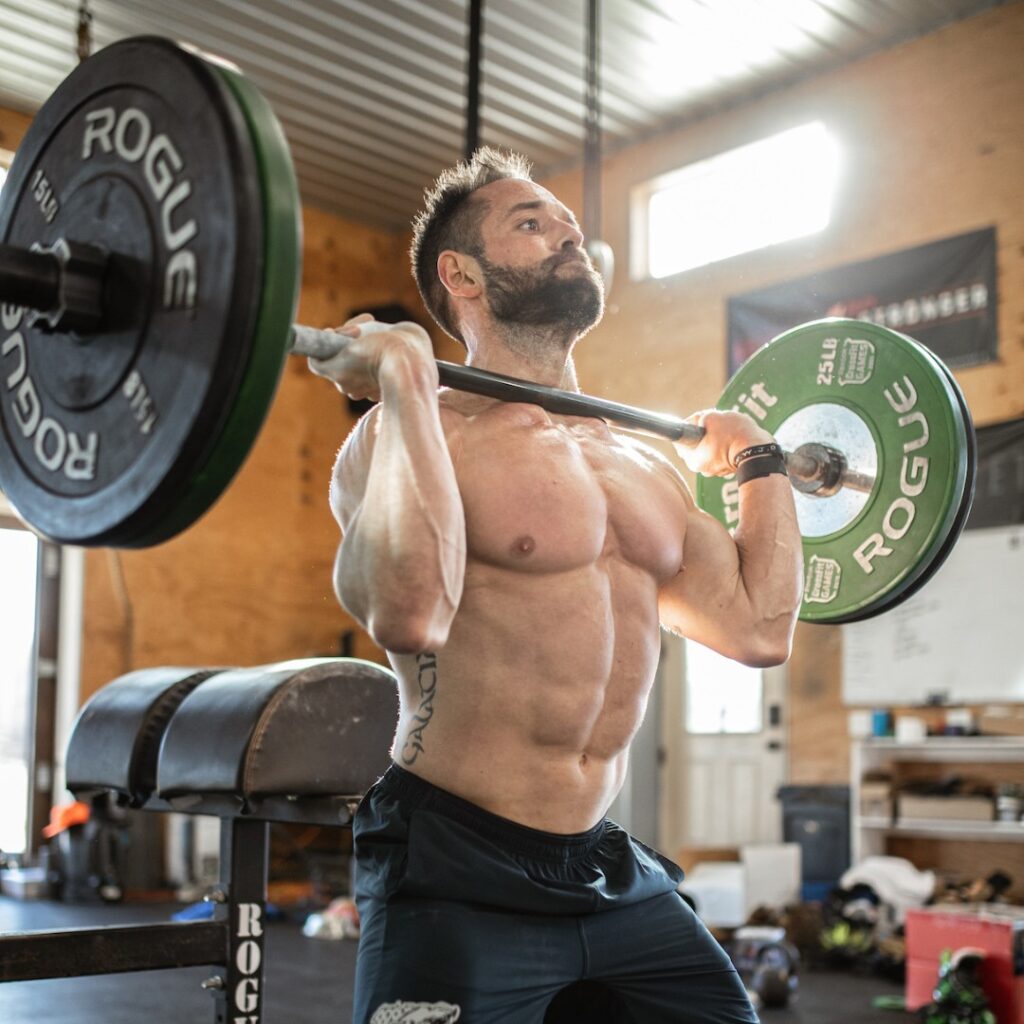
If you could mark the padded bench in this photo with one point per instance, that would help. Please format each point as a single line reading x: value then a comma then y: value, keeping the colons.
x: 295, y: 741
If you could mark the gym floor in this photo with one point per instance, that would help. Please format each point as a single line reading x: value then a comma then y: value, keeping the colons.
x: 309, y: 981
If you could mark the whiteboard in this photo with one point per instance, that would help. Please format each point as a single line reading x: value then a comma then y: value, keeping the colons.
x: 959, y: 639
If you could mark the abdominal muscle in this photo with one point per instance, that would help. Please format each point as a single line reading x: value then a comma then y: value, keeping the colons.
x: 529, y: 709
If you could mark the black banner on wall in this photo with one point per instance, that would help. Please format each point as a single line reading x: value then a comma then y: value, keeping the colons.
x: 999, y: 494
x: 942, y: 294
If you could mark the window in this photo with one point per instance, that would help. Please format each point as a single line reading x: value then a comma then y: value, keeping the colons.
x: 19, y: 552
x: 722, y: 696
x: 767, y: 192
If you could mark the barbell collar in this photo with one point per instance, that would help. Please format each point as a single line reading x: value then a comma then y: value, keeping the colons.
x: 822, y: 471
x: 60, y: 284
x: 29, y: 279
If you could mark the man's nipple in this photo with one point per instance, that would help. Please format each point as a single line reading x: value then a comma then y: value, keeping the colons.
x: 523, y: 546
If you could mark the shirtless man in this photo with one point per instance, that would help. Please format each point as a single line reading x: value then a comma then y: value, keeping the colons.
x: 515, y: 566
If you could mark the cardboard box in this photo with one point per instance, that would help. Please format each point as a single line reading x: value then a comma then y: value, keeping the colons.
x: 876, y: 800
x: 717, y: 891
x: 725, y: 892
x: 944, y: 808
x: 1002, y: 725
x: 689, y: 857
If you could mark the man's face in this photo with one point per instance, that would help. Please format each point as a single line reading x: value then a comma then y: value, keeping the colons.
x: 536, y: 271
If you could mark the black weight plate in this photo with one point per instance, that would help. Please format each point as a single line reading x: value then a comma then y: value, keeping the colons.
x: 138, y: 152
x: 282, y: 257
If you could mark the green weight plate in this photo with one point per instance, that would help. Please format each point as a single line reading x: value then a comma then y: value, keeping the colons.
x: 928, y: 568
x: 277, y: 301
x: 891, y: 408
x: 139, y: 153
x: 928, y: 563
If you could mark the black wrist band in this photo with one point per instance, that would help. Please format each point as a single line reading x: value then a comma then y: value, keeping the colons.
x: 756, y: 450
x: 755, y: 466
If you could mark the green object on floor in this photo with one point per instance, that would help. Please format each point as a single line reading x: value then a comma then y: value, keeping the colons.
x: 889, y: 1003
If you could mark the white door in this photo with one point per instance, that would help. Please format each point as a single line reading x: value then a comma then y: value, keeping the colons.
x: 723, y: 731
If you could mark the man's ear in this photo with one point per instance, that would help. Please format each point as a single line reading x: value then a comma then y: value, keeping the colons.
x: 460, y: 274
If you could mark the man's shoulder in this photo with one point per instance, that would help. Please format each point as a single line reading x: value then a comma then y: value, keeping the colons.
x: 352, y: 465
x: 655, y: 459
x: 458, y: 408
x: 361, y: 436
x: 357, y: 448
x: 643, y: 450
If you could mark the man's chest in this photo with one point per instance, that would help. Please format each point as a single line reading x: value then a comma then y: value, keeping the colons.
x: 548, y: 496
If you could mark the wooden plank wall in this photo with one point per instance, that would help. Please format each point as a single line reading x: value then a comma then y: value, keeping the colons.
x: 12, y: 128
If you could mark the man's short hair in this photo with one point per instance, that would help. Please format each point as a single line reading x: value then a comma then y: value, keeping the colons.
x: 449, y: 220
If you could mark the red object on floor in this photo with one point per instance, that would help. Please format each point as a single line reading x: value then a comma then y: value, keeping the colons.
x: 992, y: 927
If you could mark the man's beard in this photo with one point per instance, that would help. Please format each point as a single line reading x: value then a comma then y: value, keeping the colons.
x: 543, y: 297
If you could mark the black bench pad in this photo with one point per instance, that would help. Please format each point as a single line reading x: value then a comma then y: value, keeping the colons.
x: 115, y: 741
x: 297, y: 729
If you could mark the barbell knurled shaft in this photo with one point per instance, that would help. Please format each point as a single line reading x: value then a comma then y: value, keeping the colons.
x: 566, y: 403
x: 317, y: 344
x: 313, y: 343
x: 308, y: 341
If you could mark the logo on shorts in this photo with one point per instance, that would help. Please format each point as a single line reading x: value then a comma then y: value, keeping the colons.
x: 415, y: 1013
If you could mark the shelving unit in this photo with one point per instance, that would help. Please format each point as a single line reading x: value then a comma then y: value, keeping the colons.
x: 869, y: 834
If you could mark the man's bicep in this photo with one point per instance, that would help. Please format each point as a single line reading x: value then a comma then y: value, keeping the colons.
x: 706, y: 596
x: 705, y: 601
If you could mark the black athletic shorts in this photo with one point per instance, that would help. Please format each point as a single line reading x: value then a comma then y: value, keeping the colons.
x: 469, y: 917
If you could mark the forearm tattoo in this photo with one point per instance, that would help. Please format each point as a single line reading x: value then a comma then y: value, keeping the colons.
x: 426, y: 678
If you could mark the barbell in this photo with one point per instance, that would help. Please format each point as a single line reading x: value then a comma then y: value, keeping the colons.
x: 149, y: 268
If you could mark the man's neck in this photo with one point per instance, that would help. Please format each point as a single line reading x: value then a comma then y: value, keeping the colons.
x: 534, y: 354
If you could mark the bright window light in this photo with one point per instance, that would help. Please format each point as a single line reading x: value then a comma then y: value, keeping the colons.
x: 722, y: 696
x: 18, y: 553
x: 761, y: 194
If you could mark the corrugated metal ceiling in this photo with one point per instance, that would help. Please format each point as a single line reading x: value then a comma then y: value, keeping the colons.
x: 371, y: 93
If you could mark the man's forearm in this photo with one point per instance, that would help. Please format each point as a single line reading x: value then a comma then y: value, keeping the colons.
x: 401, y: 564
x: 770, y: 555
